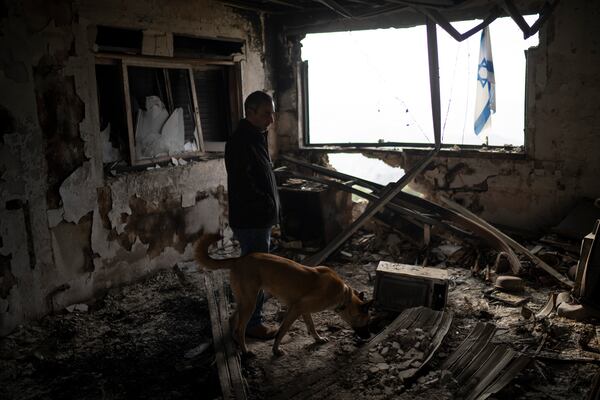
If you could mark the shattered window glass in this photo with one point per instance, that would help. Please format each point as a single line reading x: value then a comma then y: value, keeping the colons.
x: 162, y: 108
x: 164, y: 111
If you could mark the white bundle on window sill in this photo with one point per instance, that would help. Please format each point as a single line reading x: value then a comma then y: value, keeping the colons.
x: 109, y: 153
x: 157, y: 132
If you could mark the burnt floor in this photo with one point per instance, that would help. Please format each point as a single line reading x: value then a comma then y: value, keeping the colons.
x: 152, y: 340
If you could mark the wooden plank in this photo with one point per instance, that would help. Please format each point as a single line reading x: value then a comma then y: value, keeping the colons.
x: 347, y: 187
x: 215, y: 321
x: 447, y: 26
x: 125, y: 74
x: 198, y: 130
x: 513, y: 243
x: 371, y: 210
x: 544, y: 14
x: 233, y: 359
x: 178, y: 60
x: 232, y: 382
x: 434, y: 81
x: 393, y: 190
x: 408, y: 200
x: 153, y: 63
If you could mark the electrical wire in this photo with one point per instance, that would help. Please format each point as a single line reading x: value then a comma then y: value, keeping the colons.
x: 386, y: 85
x: 468, y: 91
x: 451, y: 89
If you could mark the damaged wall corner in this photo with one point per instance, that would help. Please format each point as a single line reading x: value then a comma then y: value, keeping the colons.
x: 560, y: 166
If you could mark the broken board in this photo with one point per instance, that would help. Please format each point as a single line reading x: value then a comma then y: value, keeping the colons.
x: 228, y: 362
x: 481, y: 368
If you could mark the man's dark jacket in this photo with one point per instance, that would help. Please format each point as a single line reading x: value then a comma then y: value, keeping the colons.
x: 253, y: 198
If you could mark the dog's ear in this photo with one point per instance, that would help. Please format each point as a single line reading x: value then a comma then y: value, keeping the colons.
x: 360, y: 295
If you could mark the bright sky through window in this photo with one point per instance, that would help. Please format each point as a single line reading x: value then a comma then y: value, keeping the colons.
x: 368, y: 86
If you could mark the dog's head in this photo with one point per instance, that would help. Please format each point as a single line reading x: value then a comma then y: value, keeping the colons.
x: 355, y: 311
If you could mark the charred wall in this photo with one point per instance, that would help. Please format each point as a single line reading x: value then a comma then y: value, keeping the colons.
x: 561, y: 164
x: 70, y: 226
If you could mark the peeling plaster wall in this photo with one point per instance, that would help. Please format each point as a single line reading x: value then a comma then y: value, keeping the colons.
x: 67, y: 230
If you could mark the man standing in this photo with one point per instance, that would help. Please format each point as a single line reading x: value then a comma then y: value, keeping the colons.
x: 253, y: 197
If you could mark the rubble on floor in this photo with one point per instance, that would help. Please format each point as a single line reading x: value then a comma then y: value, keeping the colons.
x: 536, y: 357
x: 154, y: 339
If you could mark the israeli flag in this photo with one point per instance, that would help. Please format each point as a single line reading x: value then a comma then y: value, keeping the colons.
x: 485, y: 98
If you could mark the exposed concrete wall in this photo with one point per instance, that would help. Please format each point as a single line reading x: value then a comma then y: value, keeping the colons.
x: 563, y: 130
x: 67, y: 230
x: 562, y: 133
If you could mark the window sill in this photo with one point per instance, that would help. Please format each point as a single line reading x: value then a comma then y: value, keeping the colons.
x: 117, y: 170
x: 488, y: 153
x: 473, y: 152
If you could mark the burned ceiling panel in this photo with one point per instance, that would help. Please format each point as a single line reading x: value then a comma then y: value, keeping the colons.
x: 334, y: 15
x: 345, y: 8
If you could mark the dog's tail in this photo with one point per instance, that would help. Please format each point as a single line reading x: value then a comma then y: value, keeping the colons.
x: 202, y: 253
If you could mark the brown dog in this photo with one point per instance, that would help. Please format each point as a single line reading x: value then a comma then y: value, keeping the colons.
x: 304, y: 290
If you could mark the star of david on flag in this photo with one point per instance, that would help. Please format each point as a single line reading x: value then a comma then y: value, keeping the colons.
x: 485, y: 97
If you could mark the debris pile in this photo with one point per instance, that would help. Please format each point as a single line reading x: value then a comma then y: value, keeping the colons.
x: 400, y: 355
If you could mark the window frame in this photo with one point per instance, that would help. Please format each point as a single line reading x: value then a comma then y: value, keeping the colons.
x: 303, y: 101
x: 135, y: 62
x: 122, y: 61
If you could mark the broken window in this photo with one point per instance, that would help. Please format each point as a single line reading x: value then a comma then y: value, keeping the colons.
x: 152, y: 111
x: 372, y: 87
x: 161, y: 111
x: 160, y: 108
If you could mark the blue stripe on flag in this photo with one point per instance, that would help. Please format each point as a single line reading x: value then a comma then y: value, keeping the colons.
x: 483, y: 118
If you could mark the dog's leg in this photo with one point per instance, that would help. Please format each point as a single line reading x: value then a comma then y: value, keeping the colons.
x: 244, y: 313
x: 289, y: 319
x: 233, y: 323
x: 311, y: 328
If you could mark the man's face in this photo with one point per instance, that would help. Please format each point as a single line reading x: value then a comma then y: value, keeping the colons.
x: 262, y: 116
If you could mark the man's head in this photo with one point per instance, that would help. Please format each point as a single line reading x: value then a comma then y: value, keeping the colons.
x: 259, y: 110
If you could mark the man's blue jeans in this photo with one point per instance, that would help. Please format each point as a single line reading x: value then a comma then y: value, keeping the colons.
x: 254, y: 240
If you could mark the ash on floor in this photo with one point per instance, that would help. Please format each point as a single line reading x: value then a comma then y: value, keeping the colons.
x: 149, y: 340
x: 152, y: 340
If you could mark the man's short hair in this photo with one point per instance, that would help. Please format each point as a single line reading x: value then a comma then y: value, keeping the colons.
x: 257, y: 99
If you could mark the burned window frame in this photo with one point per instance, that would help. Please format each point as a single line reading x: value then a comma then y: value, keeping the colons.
x: 165, y: 65
x: 234, y: 95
